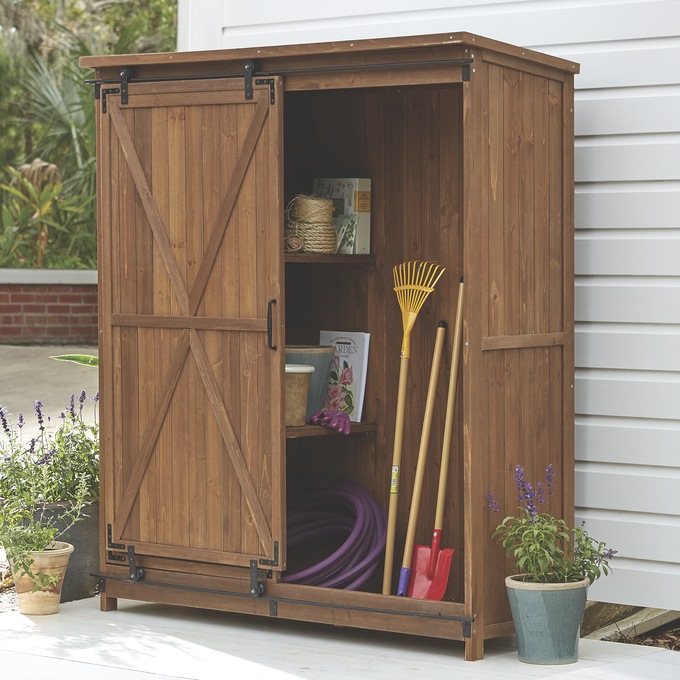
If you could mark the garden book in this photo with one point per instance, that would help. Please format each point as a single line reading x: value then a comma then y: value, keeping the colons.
x: 351, y: 198
x: 347, y: 380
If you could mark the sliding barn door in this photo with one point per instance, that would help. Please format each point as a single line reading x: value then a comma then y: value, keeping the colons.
x: 191, y: 355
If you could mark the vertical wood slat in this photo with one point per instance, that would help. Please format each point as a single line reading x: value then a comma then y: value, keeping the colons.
x: 248, y: 294
x: 140, y: 398
x: 258, y: 436
x: 180, y: 408
x: 104, y: 180
x: 558, y: 242
x: 542, y: 170
x: 226, y: 348
x: 128, y: 297
x: 375, y: 461
x: 273, y: 261
x: 494, y: 404
x: 476, y: 215
x: 113, y: 261
x: 567, y: 174
x: 167, y: 275
x: 448, y: 106
x: 214, y: 181
x: 494, y: 286
x: 197, y: 524
x: 511, y: 173
x: 527, y: 202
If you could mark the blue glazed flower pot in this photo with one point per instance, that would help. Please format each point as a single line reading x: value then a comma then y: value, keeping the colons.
x: 547, y: 618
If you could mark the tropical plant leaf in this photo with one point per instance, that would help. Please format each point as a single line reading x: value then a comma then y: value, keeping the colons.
x: 84, y: 359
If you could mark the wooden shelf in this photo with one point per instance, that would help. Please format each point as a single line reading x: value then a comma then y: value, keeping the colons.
x: 318, y: 258
x: 319, y: 431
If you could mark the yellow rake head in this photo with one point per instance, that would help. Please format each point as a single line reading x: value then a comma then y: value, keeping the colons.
x: 413, y: 282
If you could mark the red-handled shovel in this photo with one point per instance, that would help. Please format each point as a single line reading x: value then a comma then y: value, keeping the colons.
x: 431, y: 566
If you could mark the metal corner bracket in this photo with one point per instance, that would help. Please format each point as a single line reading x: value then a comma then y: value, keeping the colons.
x: 275, y: 561
x: 135, y: 573
x: 100, y: 92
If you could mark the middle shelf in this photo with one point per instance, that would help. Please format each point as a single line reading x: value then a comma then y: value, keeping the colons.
x: 319, y: 431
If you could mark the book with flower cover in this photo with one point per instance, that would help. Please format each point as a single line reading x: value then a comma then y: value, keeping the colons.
x: 347, y: 380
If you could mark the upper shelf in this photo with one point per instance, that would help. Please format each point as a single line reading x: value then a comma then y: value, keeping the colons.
x: 318, y: 258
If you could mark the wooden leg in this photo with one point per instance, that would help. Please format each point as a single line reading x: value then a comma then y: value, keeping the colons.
x: 108, y: 604
x: 474, y: 648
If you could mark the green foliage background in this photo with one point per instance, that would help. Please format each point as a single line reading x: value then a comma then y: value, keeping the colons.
x: 47, y: 113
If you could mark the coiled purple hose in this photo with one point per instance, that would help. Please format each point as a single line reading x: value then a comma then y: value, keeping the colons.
x: 319, y: 508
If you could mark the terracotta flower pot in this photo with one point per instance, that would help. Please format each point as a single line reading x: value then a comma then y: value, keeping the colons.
x: 547, y: 618
x: 42, y: 600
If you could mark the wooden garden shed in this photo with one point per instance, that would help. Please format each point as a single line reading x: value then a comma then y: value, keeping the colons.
x: 469, y: 146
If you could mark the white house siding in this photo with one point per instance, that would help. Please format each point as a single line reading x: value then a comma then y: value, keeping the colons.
x: 627, y: 249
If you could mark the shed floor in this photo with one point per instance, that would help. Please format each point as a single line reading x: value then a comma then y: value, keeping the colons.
x: 161, y: 642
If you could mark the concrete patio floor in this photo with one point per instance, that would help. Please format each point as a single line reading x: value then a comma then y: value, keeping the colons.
x: 162, y: 642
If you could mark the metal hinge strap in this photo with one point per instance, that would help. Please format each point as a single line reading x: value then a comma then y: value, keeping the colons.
x: 256, y: 586
x: 124, y: 77
x: 248, y: 71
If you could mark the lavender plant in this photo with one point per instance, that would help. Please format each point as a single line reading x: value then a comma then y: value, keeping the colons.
x: 54, y: 467
x: 544, y: 547
x: 51, y: 464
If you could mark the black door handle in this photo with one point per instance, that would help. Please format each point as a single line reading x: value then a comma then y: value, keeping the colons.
x: 270, y: 306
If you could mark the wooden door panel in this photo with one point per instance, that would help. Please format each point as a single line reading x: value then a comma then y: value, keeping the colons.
x: 194, y: 434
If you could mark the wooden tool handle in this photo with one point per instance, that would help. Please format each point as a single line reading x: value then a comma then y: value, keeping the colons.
x: 450, y: 405
x: 394, y: 475
x: 424, y: 443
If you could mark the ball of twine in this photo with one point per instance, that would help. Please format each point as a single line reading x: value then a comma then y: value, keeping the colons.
x: 310, y: 209
x: 309, y: 225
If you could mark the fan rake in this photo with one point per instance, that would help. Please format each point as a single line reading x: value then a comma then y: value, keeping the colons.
x: 413, y: 283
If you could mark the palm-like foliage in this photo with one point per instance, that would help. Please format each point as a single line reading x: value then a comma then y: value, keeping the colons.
x: 62, y: 106
x: 46, y: 108
x: 65, y: 113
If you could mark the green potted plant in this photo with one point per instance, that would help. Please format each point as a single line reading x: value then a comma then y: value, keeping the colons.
x: 49, y: 483
x: 555, y: 564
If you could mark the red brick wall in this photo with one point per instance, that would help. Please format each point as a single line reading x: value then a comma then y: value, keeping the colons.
x: 48, y: 314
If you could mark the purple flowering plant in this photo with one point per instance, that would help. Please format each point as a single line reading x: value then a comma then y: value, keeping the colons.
x: 58, y: 465
x: 545, y: 549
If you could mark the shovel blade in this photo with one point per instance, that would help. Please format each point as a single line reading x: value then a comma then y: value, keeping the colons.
x: 421, y: 586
